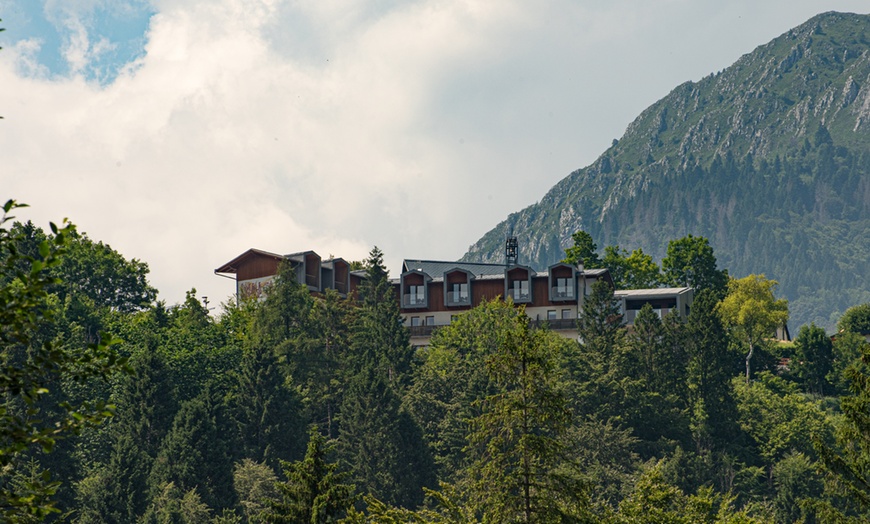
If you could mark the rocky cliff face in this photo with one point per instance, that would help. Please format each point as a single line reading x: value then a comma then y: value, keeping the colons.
x: 767, y: 158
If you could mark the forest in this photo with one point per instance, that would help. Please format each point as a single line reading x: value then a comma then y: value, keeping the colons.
x: 119, y: 408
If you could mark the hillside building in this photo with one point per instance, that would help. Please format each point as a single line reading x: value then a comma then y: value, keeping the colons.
x: 431, y: 293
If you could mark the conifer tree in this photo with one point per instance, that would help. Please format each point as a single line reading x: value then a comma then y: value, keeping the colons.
x: 520, y: 470
x: 381, y: 445
x: 814, y: 358
x: 194, y: 454
x: 265, y: 410
x: 313, y: 492
x: 708, y: 376
x: 379, y: 337
x: 595, y: 367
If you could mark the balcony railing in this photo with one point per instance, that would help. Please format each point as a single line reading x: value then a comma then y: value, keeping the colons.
x: 311, y: 280
x: 556, y: 324
x: 458, y: 299
x: 519, y: 296
x: 422, y: 331
x: 416, y: 300
x: 341, y: 287
x: 562, y: 293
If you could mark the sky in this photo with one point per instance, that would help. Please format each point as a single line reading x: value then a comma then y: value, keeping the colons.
x: 183, y: 132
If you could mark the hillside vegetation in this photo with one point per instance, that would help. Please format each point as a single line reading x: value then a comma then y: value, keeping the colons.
x: 768, y: 159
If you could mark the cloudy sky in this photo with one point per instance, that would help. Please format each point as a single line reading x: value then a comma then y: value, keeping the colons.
x: 183, y: 132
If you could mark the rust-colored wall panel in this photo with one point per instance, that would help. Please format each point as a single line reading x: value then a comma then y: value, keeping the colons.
x: 257, y: 266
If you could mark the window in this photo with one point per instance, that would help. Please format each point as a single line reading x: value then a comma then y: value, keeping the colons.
x: 415, y: 321
x: 460, y: 293
x: 521, y: 289
x: 564, y: 288
x: 416, y: 295
x: 430, y: 321
x: 566, y: 314
x: 551, y: 314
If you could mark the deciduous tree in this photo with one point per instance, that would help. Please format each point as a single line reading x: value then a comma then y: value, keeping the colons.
x: 752, y: 313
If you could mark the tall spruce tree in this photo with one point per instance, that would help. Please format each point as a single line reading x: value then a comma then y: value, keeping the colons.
x: 381, y: 446
x: 313, y: 492
x: 194, y: 454
x: 708, y: 375
x: 594, y: 369
x: 265, y: 411
x: 379, y: 338
x: 521, y: 471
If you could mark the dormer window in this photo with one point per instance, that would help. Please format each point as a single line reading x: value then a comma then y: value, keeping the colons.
x: 518, y: 284
x: 562, y: 279
x: 414, y: 286
x: 457, y: 287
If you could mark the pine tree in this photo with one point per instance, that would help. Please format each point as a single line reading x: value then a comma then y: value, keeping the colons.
x: 708, y: 375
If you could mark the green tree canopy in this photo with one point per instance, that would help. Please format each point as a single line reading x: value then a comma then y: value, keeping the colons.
x: 752, y: 312
x: 313, y: 492
x: 583, y: 251
x: 690, y: 262
x: 856, y: 319
x: 635, y: 270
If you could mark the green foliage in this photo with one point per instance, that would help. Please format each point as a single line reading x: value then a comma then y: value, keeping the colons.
x: 690, y: 262
x: 517, y: 442
x: 265, y: 411
x: 194, y: 454
x: 780, y: 418
x: 845, y: 465
x: 255, y: 485
x: 583, y: 251
x: 708, y: 376
x: 313, y: 492
x: 379, y: 338
x: 381, y: 445
x: 856, y: 319
x: 655, y: 501
x: 751, y: 311
x: 814, y: 359
x: 29, y: 369
x: 636, y: 270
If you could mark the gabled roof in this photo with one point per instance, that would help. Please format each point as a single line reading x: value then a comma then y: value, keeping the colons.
x: 232, y: 266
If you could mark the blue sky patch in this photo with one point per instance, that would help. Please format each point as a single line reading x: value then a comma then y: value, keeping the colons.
x: 115, y: 32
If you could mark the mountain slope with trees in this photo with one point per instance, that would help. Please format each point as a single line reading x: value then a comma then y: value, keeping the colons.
x: 769, y: 159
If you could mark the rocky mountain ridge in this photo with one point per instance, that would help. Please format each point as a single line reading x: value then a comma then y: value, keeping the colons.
x: 767, y: 158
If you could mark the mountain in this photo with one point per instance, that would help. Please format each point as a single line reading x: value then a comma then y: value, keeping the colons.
x: 769, y: 159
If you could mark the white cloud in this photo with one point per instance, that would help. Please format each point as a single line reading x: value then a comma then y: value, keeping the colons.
x: 337, y: 125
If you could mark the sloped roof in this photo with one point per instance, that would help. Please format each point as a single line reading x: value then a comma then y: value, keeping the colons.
x: 436, y: 268
x: 233, y: 265
x: 651, y: 293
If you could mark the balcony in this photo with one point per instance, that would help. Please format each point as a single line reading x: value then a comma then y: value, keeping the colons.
x: 413, y: 300
x: 341, y: 287
x: 311, y: 280
x: 458, y: 299
x: 557, y: 324
x: 519, y: 296
x: 422, y: 331
x: 562, y: 293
